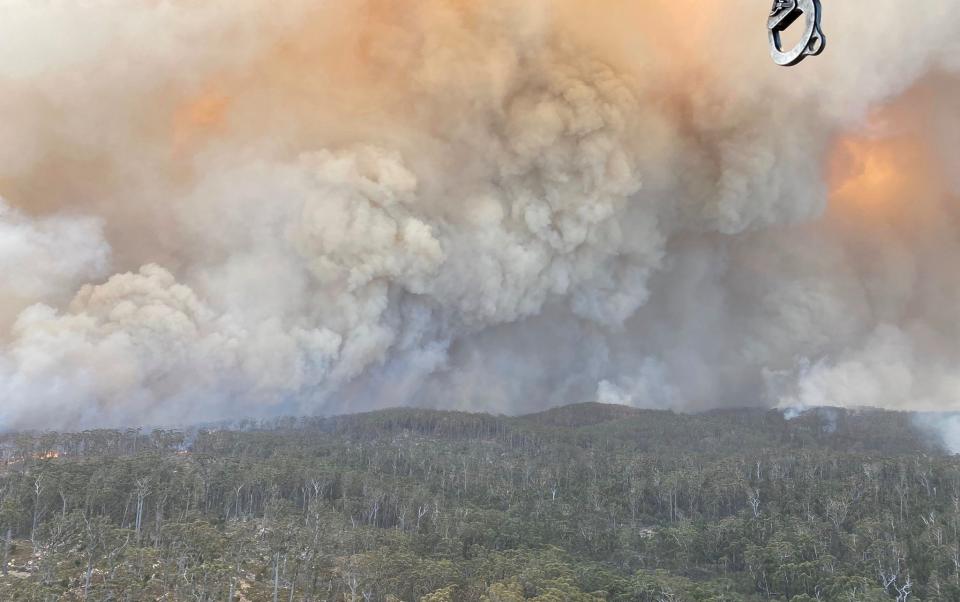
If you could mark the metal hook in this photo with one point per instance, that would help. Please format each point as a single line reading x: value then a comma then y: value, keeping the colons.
x: 783, y: 14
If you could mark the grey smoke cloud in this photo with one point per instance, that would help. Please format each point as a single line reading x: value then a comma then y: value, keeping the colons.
x: 246, y: 209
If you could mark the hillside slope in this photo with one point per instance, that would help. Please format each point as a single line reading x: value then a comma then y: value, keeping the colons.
x: 581, y: 503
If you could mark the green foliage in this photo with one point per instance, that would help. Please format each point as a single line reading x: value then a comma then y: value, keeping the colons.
x: 577, y: 504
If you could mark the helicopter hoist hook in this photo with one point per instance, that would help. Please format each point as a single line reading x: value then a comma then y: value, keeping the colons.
x: 782, y: 16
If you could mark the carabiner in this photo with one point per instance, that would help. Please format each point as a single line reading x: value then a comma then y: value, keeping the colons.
x: 782, y: 16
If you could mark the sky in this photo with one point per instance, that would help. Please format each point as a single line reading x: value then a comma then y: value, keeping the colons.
x: 223, y: 209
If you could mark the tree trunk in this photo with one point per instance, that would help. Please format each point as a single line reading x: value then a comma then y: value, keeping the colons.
x: 276, y: 577
x: 6, y: 550
x: 139, y: 520
x: 86, y: 582
x: 159, y: 521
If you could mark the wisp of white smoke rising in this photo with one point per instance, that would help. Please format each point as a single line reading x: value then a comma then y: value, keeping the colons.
x: 342, y: 206
x: 945, y: 427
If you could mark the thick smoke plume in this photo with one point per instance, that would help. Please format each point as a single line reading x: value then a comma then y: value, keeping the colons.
x: 250, y: 208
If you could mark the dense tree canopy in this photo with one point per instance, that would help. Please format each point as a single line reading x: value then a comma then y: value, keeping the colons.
x: 582, y: 503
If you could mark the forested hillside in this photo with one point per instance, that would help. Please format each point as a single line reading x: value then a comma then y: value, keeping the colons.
x: 581, y: 503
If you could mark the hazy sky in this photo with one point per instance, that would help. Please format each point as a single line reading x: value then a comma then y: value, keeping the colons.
x: 244, y: 208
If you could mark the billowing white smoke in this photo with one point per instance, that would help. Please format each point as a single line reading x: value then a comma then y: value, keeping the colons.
x: 46, y: 258
x: 317, y: 208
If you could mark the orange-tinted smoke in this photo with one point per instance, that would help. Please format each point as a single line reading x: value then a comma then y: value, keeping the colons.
x: 887, y: 168
x: 198, y: 118
x: 872, y: 174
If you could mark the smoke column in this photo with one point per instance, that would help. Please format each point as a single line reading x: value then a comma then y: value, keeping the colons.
x: 248, y: 208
